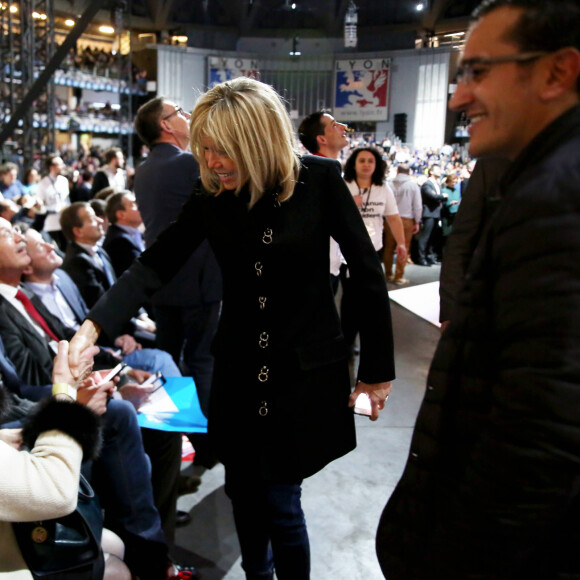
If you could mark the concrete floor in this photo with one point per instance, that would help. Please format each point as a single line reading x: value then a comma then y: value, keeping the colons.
x: 344, y: 501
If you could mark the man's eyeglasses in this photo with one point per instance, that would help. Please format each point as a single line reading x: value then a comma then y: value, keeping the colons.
x: 10, y: 233
x: 473, y: 69
x: 176, y: 111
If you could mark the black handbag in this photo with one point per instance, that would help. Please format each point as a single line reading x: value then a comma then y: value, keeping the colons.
x: 66, y: 548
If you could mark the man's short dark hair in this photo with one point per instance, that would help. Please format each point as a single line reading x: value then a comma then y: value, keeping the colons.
x: 69, y: 219
x: 309, y: 129
x: 404, y: 168
x: 104, y: 193
x: 545, y: 25
x: 115, y: 203
x: 147, y: 120
x: 49, y: 161
x: 430, y: 171
x: 111, y: 153
x: 99, y: 207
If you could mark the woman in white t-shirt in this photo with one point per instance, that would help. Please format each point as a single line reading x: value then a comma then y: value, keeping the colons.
x: 364, y: 174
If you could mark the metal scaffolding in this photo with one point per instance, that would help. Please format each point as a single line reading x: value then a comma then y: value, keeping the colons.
x: 28, y: 60
x: 26, y: 46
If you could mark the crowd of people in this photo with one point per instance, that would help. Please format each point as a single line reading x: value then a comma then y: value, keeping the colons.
x: 490, y: 489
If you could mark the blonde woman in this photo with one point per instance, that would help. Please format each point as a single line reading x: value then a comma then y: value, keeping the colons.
x: 280, y: 402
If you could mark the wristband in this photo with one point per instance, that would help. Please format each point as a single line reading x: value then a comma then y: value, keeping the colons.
x: 64, y: 389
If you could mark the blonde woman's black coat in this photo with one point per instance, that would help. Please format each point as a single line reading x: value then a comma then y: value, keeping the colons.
x: 281, y: 383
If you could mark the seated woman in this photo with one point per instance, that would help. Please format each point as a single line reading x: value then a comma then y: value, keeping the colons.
x: 43, y: 483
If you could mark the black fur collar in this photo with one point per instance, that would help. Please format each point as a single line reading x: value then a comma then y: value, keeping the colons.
x: 4, y: 402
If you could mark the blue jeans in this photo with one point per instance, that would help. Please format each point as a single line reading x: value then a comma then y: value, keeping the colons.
x: 153, y: 360
x: 122, y: 479
x: 270, y: 525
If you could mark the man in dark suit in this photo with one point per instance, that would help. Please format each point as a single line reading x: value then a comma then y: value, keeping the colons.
x: 121, y: 475
x: 187, y: 309
x: 61, y: 297
x: 432, y: 203
x: 90, y: 266
x: 123, y: 241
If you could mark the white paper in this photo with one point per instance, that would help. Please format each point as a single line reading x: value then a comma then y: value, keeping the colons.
x: 159, y: 402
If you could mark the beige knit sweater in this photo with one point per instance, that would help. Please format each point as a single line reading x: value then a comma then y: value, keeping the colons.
x: 36, y: 485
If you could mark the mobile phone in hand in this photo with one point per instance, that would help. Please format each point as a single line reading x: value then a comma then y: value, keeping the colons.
x: 151, y: 379
x: 113, y: 373
x: 157, y: 380
x: 362, y: 405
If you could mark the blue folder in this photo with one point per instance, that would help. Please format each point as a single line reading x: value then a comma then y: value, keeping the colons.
x: 189, y: 419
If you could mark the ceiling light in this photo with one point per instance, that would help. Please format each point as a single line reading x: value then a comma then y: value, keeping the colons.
x: 14, y: 9
x: 293, y: 6
x: 106, y: 29
x: 420, y: 7
x: 69, y: 22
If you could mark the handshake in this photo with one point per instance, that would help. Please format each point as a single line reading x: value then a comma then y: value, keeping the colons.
x: 94, y: 389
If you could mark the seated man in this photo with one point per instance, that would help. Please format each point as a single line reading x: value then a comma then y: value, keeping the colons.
x: 12, y: 212
x: 86, y: 263
x: 10, y: 186
x: 62, y: 298
x: 124, y: 241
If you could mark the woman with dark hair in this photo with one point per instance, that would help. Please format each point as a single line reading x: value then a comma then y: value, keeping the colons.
x: 364, y: 174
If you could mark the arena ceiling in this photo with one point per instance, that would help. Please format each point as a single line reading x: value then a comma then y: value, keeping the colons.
x: 255, y: 18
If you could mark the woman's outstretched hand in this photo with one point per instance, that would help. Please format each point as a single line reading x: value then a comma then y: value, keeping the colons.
x: 85, y: 337
x: 61, y: 372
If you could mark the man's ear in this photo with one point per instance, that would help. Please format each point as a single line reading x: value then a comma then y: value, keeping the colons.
x: 28, y: 270
x: 76, y: 231
x: 321, y: 139
x: 562, y: 74
x: 165, y: 126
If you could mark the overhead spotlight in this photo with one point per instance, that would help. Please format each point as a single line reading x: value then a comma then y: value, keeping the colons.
x: 106, y: 29
x: 14, y: 9
x: 420, y: 7
x: 69, y: 22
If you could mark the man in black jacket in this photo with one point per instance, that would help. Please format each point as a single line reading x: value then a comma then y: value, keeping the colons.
x: 429, y: 238
x: 123, y: 241
x: 490, y: 490
x: 186, y: 310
